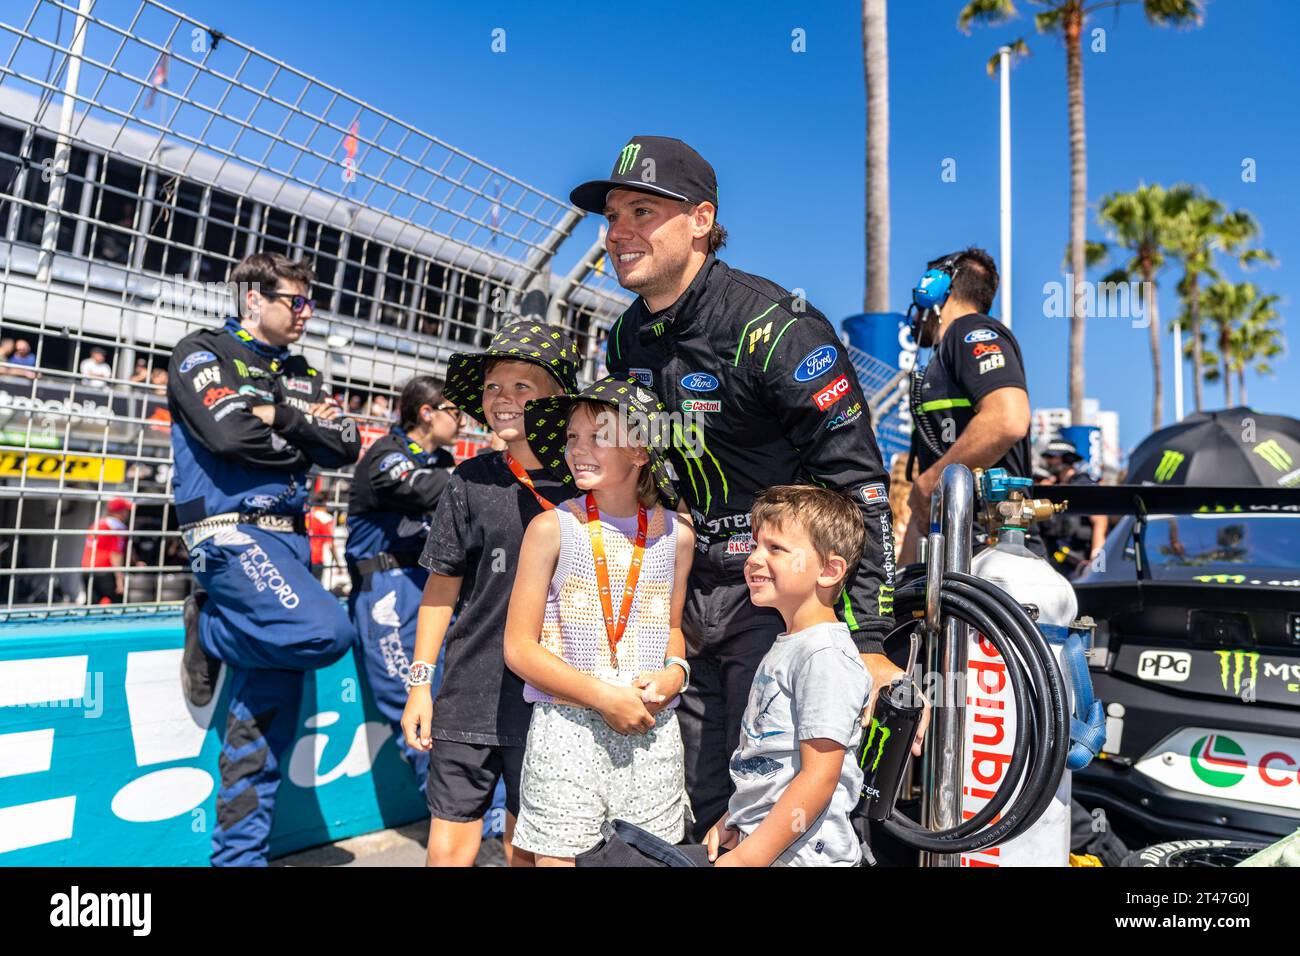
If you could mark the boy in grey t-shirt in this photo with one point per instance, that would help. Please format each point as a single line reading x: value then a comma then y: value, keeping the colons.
x: 795, y: 771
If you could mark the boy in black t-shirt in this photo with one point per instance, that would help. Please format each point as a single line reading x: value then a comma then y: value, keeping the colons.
x: 970, y: 405
x: 477, y: 728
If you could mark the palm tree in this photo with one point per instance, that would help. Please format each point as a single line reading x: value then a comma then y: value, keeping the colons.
x: 875, y: 65
x: 1066, y: 17
x: 1197, y: 234
x: 1141, y: 222
x: 1260, y: 341
x: 1245, y: 332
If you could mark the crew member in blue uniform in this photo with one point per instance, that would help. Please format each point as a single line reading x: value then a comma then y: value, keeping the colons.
x: 395, y: 490
x: 250, y: 420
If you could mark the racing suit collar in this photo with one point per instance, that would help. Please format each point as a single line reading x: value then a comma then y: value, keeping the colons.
x: 263, y: 349
x: 414, y: 447
x: 681, y: 313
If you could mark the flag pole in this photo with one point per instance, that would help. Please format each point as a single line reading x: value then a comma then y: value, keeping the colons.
x: 63, y: 147
x: 1178, y: 372
x: 1004, y: 138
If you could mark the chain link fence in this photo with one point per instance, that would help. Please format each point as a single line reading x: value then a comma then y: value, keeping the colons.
x: 143, y: 154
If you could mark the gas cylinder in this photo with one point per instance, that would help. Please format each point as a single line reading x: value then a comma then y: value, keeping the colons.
x: 990, y: 705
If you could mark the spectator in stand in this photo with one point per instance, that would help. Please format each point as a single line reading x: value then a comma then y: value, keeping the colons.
x: 95, y: 369
x: 6, y: 349
x: 25, y: 358
x: 114, y: 245
x: 104, y: 555
x: 381, y: 408
x: 141, y: 373
x: 355, y: 403
x: 158, y: 379
x: 322, y: 535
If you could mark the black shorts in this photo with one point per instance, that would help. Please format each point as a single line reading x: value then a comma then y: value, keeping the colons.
x: 463, y: 777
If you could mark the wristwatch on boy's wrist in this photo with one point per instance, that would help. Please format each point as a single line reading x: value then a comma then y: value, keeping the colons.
x: 686, y: 669
x: 421, y: 673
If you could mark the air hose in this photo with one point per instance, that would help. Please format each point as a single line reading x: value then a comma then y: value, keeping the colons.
x: 1042, y: 735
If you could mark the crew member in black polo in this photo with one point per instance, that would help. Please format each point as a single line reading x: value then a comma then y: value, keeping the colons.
x: 970, y: 404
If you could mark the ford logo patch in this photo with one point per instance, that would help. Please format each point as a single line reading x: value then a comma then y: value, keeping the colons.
x: 699, y: 382
x: 816, y: 363
x: 980, y: 335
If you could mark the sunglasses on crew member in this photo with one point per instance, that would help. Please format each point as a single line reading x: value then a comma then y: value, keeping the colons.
x: 296, y: 302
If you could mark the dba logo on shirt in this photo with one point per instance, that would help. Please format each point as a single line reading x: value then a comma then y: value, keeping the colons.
x: 980, y: 335
x: 816, y: 363
x: 699, y: 382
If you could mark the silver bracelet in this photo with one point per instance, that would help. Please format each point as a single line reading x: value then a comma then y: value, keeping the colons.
x: 686, y: 669
x: 421, y: 674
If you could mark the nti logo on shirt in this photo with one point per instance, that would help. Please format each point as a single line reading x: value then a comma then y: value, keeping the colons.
x: 832, y: 393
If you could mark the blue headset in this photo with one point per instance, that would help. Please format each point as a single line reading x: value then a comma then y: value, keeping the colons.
x: 932, y: 290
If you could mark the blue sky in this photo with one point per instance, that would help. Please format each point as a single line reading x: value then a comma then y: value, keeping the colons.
x: 785, y: 132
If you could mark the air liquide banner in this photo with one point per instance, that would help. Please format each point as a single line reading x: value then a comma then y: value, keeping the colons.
x: 887, y: 337
x: 104, y: 763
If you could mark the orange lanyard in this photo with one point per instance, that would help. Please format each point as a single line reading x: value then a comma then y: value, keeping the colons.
x: 527, y: 482
x: 614, y: 631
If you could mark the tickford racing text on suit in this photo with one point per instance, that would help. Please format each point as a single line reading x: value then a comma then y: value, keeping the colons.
x: 762, y: 393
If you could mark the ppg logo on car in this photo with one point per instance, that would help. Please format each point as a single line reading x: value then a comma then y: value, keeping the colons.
x: 699, y: 382
x: 1172, y: 667
x: 816, y: 363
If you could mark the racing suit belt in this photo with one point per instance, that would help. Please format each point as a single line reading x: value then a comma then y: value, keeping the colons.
x: 200, y: 531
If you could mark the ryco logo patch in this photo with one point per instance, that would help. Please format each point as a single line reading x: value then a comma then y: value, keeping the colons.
x: 832, y: 393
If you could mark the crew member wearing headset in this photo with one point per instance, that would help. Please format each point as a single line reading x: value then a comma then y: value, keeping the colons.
x: 970, y: 404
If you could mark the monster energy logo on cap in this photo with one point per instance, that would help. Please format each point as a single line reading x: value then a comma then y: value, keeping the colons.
x: 659, y: 165
x: 1168, y: 466
x: 627, y: 158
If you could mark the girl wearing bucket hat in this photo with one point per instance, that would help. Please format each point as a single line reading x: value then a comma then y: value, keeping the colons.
x: 476, y: 732
x: 594, y: 627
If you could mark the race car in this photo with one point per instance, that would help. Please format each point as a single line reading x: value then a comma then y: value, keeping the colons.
x: 1196, y: 597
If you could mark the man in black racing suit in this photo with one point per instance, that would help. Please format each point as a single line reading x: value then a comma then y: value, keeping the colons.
x: 762, y: 393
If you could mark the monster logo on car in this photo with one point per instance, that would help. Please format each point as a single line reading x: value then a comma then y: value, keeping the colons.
x: 1238, y: 659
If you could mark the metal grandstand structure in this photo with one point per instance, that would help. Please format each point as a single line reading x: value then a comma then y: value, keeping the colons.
x: 886, y: 390
x: 142, y: 154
